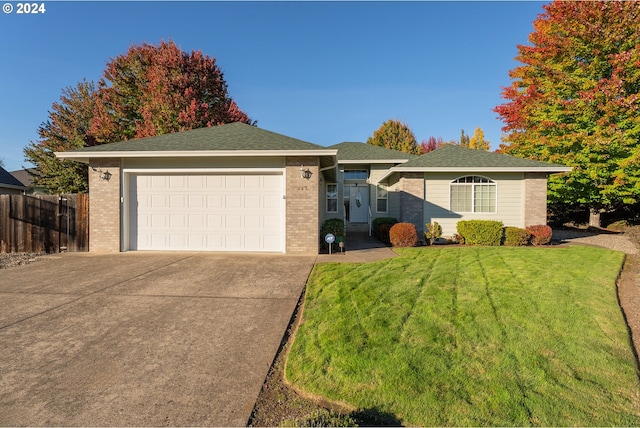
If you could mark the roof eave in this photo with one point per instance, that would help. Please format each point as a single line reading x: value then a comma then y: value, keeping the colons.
x: 549, y: 170
x: 86, y: 156
x: 12, y: 186
x: 376, y: 161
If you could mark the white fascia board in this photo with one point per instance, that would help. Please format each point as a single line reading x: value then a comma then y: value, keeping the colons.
x: 85, y: 156
x: 548, y: 170
x: 362, y: 162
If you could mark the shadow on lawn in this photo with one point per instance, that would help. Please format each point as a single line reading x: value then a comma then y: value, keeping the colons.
x: 375, y: 418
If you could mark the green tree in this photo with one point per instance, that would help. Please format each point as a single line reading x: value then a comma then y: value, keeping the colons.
x: 575, y: 100
x: 477, y: 140
x: 393, y: 134
x: 464, y: 139
x: 67, y: 128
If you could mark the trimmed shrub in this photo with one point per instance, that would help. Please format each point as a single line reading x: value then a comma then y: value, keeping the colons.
x: 480, y: 232
x: 433, y: 232
x: 516, y: 237
x: 540, y: 234
x: 383, y: 233
x: 335, y: 226
x: 377, y: 222
x: 403, y: 235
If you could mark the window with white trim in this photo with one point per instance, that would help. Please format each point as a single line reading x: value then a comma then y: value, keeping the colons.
x: 473, y: 194
x: 382, y: 196
x: 332, y: 198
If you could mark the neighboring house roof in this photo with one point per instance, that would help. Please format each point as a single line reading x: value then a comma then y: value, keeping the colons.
x: 23, y: 176
x: 350, y: 152
x: 454, y: 158
x: 232, y: 139
x: 8, y: 181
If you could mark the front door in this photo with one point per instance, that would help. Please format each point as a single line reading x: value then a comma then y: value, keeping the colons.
x: 357, y: 203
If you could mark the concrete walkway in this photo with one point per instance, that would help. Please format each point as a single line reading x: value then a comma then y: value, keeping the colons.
x: 142, y: 339
x: 359, y: 248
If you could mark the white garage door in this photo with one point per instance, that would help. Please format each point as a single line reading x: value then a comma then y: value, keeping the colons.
x: 232, y: 212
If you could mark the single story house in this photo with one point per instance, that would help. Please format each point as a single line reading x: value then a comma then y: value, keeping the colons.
x: 236, y: 187
x: 9, y: 185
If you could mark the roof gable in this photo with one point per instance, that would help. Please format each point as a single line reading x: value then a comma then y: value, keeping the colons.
x: 228, y: 137
x: 353, y: 151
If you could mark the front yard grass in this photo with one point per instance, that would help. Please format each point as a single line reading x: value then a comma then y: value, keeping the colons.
x: 471, y: 336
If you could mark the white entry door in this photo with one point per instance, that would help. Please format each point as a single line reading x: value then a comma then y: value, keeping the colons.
x: 358, y: 200
x: 214, y: 212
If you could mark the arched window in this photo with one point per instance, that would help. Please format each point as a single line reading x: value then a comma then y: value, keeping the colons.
x: 473, y: 194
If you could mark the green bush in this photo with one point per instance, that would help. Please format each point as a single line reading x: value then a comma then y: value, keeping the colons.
x: 540, y: 234
x: 516, y: 237
x: 403, y: 235
x: 433, y: 232
x: 377, y: 222
x: 336, y: 227
x: 480, y: 232
x: 383, y: 233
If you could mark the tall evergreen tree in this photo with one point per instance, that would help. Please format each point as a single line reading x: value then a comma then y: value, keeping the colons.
x: 67, y: 129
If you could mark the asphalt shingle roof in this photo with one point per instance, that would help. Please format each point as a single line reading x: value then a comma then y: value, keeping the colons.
x: 9, y: 180
x: 452, y: 156
x: 368, y: 152
x: 231, y: 136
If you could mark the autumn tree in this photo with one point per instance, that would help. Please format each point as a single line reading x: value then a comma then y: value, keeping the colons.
x: 431, y: 144
x: 575, y: 100
x: 477, y: 140
x: 393, y: 134
x: 464, y: 139
x: 67, y: 128
x: 151, y: 90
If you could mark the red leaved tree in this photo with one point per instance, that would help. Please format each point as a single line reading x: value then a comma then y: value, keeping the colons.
x: 575, y: 100
x: 153, y: 90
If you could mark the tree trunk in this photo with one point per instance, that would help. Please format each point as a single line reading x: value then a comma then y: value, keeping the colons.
x: 594, y: 217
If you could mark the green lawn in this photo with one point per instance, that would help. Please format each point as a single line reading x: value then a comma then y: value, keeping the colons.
x: 472, y: 336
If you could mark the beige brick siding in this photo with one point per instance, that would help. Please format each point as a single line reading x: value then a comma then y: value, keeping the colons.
x: 412, y: 200
x: 535, y: 199
x: 104, y: 206
x: 302, y: 230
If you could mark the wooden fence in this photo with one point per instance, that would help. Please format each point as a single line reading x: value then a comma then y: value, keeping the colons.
x: 44, y: 223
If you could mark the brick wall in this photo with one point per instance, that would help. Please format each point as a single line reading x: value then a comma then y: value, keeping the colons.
x: 104, y: 206
x: 412, y: 201
x: 302, y: 206
x: 535, y: 198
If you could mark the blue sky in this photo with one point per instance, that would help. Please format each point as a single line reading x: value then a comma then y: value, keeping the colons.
x: 324, y: 72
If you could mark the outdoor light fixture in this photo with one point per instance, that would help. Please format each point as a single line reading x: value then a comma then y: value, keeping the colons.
x: 305, y: 173
x: 104, y: 175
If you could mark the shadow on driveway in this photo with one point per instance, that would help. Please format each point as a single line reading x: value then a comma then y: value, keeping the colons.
x: 144, y: 339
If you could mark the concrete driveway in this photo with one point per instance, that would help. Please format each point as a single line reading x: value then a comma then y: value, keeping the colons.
x: 142, y: 339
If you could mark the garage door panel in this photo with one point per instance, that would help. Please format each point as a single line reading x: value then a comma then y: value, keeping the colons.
x: 207, y: 212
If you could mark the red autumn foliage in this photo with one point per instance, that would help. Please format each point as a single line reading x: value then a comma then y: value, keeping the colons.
x: 540, y: 234
x: 154, y: 90
x: 403, y: 235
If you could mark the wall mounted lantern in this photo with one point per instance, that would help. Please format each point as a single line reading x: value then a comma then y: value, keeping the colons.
x: 104, y: 175
x: 305, y: 173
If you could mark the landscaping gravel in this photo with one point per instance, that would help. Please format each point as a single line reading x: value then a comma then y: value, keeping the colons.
x: 611, y: 240
x: 8, y: 260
